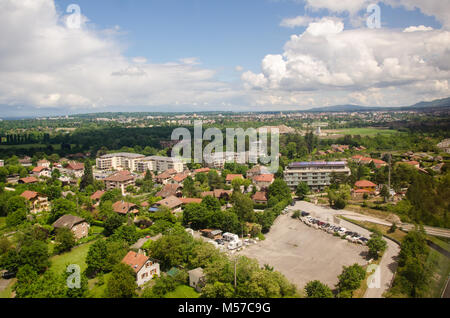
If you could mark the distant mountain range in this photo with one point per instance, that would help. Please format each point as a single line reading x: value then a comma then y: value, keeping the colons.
x: 437, y: 103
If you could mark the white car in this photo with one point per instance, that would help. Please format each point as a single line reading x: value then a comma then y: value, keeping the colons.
x: 342, y: 231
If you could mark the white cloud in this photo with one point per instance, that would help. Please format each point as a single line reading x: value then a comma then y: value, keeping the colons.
x: 297, y: 21
x: 327, y: 61
x: 417, y: 28
x: 46, y: 64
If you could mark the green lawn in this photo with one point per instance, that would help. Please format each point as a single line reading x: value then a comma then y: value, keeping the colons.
x: 96, y: 291
x: 2, y: 222
x: 183, y: 291
x: 365, y: 131
x: 76, y: 256
x: 441, y: 271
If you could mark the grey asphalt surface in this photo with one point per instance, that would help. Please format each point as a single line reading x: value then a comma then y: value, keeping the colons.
x: 304, y: 254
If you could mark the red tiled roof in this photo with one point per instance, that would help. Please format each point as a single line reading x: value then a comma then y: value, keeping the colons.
x: 166, y: 174
x: 202, y: 170
x: 259, y: 196
x: 124, y: 207
x: 364, y: 184
x: 379, y: 162
x: 135, y: 260
x: 29, y: 195
x: 97, y: 195
x: 29, y: 180
x: 180, y: 177
x: 190, y: 200
x: 231, y: 177
x: 264, y: 178
x: 120, y: 176
x: 170, y: 202
x: 75, y: 166
x: 39, y: 169
x: 168, y: 190
x: 356, y: 157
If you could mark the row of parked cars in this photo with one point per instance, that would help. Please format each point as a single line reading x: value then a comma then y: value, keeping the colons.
x: 332, y: 229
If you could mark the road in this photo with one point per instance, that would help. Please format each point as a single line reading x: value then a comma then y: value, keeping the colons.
x: 388, y: 264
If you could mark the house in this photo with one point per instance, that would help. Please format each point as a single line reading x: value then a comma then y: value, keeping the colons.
x: 41, y: 171
x: 172, y: 202
x: 2, y: 163
x: 75, y: 168
x: 413, y: 163
x: 37, y: 202
x: 379, y: 163
x: 119, y: 180
x: 28, y: 180
x: 218, y: 193
x: 144, y: 267
x: 78, y: 226
x: 365, y: 185
x: 202, y: 170
x: 164, y: 177
x: 97, y: 195
x: 169, y: 190
x: 197, y: 279
x: 259, y: 197
x: 231, y: 177
x: 25, y: 162
x: 263, y: 181
x: 185, y: 201
x: 123, y: 207
x: 178, y: 178
x: 444, y: 145
x: 43, y: 163
x: 256, y: 171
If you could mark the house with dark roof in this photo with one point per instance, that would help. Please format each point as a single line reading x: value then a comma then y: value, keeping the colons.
x: 28, y: 180
x: 119, y: 180
x: 78, y: 226
x: 144, y: 267
x: 123, y: 207
x: 169, y: 190
x: 259, y: 197
x: 172, y: 202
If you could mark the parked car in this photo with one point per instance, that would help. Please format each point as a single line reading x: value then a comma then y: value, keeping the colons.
x: 305, y: 213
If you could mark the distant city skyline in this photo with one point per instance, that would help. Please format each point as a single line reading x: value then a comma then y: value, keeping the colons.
x: 197, y: 55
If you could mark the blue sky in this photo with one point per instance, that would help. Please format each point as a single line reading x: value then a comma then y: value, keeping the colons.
x: 196, y: 55
x: 221, y: 33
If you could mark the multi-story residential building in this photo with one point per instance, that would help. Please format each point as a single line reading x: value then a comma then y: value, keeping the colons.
x: 138, y: 162
x: 316, y: 174
x: 2, y: 163
x: 117, y: 161
x: 120, y: 180
x: 159, y: 164
x: 217, y: 160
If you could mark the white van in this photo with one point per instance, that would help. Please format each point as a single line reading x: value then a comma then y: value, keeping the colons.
x: 234, y: 244
x: 229, y: 237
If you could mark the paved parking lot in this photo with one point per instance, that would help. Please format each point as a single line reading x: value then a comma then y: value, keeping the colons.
x: 303, y: 253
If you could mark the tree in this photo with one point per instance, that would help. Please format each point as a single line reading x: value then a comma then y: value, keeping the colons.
x: 384, y: 193
x: 211, y: 203
x: 122, y: 283
x: 96, y: 258
x: 16, y: 218
x: 302, y: 190
x: 189, y: 189
x: 315, y: 289
x: 113, y: 222
x: 218, y: 290
x: 279, y: 190
x: 243, y: 206
x: 196, y: 215
x: 88, y: 177
x: 65, y: 240
x: 62, y: 207
x: 351, y: 277
x: 376, y: 245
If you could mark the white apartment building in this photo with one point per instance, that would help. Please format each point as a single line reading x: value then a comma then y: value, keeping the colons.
x: 159, y: 164
x: 316, y: 174
x: 117, y: 161
x: 2, y: 163
x: 217, y: 160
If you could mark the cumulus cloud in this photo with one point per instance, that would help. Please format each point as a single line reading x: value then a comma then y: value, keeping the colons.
x: 45, y: 63
x: 327, y: 59
x: 297, y: 21
x: 417, y: 28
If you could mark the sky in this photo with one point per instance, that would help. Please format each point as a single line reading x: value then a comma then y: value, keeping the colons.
x: 202, y: 55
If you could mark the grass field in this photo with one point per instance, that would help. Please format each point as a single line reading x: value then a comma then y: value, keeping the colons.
x: 441, y: 271
x: 76, y: 256
x: 183, y: 291
x: 96, y: 291
x: 362, y: 131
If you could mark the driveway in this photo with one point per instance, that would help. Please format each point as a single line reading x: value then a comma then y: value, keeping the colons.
x: 388, y: 264
x: 304, y: 254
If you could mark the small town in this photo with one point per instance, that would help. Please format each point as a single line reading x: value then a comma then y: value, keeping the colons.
x: 224, y: 157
